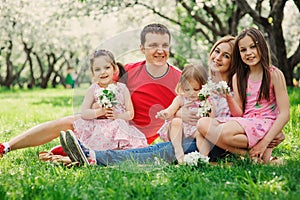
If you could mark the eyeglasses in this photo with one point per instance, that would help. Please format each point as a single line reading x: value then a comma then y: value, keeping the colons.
x: 156, y: 47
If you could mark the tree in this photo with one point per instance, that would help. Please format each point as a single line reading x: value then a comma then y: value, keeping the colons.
x: 36, y: 41
x: 272, y: 26
x: 209, y: 20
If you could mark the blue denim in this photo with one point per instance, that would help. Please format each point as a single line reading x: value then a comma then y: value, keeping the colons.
x: 162, y: 150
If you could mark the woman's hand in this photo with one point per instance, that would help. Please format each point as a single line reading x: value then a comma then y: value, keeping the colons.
x: 188, y: 115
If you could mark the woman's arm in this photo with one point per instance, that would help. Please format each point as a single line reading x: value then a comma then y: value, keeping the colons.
x: 234, y: 102
x: 283, y: 117
x: 87, y: 112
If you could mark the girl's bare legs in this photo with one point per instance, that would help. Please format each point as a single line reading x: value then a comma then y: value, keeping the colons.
x: 42, y: 133
x: 203, y: 145
x: 229, y: 136
x: 175, y: 134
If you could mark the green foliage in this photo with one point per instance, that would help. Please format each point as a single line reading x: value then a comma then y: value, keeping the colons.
x: 23, y: 176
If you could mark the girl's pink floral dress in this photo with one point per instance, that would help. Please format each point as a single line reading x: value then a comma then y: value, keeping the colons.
x: 258, y: 116
x: 104, y: 134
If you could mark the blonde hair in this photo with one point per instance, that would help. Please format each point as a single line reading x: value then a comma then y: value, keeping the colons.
x: 190, y: 71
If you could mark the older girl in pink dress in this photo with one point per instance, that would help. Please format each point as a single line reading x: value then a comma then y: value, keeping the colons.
x: 260, y: 106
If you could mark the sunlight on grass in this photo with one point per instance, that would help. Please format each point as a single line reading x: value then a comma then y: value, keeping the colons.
x: 161, y: 178
x: 262, y: 189
x: 28, y: 178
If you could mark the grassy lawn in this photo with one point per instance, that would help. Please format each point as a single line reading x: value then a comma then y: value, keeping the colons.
x: 23, y: 176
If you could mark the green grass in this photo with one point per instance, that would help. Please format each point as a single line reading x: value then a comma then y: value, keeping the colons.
x: 23, y: 176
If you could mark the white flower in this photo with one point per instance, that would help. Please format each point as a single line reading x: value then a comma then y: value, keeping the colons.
x: 206, y: 90
x: 107, y: 96
x: 159, y: 161
x: 192, y: 158
x: 222, y: 85
x: 204, y: 109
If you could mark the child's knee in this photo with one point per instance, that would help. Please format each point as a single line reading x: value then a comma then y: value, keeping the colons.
x: 176, y: 122
x: 202, y: 124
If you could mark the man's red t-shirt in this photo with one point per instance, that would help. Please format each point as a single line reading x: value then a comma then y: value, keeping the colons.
x: 150, y: 95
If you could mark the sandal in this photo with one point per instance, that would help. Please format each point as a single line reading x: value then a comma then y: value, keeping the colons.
x: 276, y: 161
x: 56, y: 159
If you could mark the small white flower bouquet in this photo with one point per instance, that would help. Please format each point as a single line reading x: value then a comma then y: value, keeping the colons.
x: 206, y: 90
x: 107, y: 97
x: 204, y: 109
x: 192, y: 158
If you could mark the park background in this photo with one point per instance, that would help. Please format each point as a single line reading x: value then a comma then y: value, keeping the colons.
x: 41, y: 39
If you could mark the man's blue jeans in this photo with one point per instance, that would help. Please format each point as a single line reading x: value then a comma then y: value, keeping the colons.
x: 163, y: 150
x: 149, y: 154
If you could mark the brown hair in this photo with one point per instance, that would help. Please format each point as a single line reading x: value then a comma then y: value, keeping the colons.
x: 110, y: 57
x: 154, y: 28
x: 242, y: 70
x: 229, y: 40
x: 190, y: 71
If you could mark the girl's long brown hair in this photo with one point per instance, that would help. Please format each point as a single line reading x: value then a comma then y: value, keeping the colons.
x: 242, y: 70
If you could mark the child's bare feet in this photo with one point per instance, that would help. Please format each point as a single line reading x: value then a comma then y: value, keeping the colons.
x: 179, y: 157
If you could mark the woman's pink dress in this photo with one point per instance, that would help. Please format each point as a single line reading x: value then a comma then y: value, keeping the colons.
x: 104, y: 134
x: 258, y: 116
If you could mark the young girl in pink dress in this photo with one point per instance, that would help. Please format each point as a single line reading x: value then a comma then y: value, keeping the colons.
x: 260, y: 106
x: 105, y: 127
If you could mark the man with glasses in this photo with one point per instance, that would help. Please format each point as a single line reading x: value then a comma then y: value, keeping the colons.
x: 152, y: 82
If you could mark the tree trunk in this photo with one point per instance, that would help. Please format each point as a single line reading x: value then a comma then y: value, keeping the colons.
x: 273, y: 27
x: 28, y: 51
x: 9, y: 66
